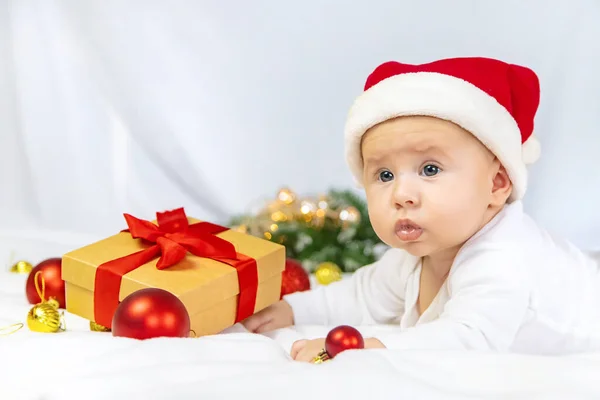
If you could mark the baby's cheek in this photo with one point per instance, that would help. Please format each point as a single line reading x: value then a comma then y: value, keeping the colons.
x: 461, y: 220
x: 382, y: 223
x: 462, y: 195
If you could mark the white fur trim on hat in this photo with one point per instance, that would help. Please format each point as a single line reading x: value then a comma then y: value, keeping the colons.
x: 446, y: 97
x: 531, y: 150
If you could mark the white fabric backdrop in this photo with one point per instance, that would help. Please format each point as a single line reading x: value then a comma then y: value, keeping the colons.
x: 111, y: 106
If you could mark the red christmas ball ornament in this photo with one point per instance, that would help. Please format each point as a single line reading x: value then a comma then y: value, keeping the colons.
x: 294, y: 278
x: 343, y: 338
x: 54, y: 286
x: 151, y: 313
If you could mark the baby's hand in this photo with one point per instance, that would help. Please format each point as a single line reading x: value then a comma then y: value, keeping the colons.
x: 278, y: 315
x: 306, y: 350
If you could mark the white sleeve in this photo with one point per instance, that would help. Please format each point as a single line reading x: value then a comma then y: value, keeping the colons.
x: 489, y: 299
x: 374, y: 294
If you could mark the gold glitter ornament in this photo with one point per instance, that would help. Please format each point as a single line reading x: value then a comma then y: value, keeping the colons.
x: 97, y: 327
x: 45, y: 317
x: 327, y: 273
x: 21, y: 267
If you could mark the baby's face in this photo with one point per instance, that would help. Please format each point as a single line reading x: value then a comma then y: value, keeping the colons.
x: 428, y: 183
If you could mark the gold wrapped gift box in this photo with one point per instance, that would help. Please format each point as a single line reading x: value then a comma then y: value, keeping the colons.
x: 209, y: 289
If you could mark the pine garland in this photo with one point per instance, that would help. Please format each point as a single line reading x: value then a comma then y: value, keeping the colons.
x: 342, y: 233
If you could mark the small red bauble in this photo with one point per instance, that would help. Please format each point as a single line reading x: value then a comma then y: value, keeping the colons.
x: 151, y: 313
x: 54, y: 286
x: 343, y: 338
x: 294, y: 278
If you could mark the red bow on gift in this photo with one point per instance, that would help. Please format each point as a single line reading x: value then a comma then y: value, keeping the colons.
x: 174, y: 237
x: 171, y: 239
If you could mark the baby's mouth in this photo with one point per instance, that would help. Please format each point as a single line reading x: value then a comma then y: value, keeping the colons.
x: 408, y: 231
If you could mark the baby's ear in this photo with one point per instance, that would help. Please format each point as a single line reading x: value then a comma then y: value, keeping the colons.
x: 501, y: 186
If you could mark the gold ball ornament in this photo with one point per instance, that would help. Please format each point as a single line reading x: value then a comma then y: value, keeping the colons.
x: 21, y: 267
x: 45, y: 317
x: 97, y: 327
x: 327, y: 273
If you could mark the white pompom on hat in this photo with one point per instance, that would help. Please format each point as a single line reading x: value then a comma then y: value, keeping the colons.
x: 493, y: 100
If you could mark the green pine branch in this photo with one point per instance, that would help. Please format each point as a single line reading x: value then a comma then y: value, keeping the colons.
x: 350, y: 247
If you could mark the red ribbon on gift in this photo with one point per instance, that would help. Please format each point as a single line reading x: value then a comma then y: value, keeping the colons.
x: 171, y: 240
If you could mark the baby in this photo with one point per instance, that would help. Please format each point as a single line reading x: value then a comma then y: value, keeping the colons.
x: 441, y: 150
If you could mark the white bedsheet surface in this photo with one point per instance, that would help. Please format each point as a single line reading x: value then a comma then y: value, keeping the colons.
x: 79, y: 364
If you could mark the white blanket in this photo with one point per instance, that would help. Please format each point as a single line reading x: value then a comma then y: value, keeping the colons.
x: 79, y: 364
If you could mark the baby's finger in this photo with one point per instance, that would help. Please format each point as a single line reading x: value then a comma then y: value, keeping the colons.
x: 266, y: 327
x: 297, y: 347
x: 254, y: 322
x: 305, y: 355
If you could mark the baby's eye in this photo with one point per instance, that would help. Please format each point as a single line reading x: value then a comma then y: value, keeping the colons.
x: 430, y: 170
x: 386, y: 176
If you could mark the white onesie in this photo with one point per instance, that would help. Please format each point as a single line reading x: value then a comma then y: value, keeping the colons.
x: 512, y: 287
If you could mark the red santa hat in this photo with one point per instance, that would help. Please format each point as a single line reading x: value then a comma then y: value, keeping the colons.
x: 493, y: 100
